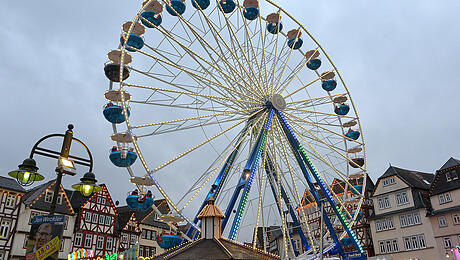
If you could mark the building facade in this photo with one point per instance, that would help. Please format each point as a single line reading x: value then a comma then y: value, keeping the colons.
x: 142, y: 227
x: 445, y: 209
x: 96, y: 218
x: 11, y: 194
x: 400, y: 227
x: 37, y: 201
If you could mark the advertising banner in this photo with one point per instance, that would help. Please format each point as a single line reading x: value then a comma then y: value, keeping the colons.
x: 44, y: 237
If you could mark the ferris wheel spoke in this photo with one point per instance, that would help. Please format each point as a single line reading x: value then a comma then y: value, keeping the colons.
x: 203, y: 143
x: 314, y: 101
x: 195, y: 75
x: 286, y: 62
x: 180, y: 127
x: 343, y: 177
x: 303, y: 111
x: 218, y: 38
x: 301, y: 209
x: 194, y: 55
x: 303, y: 87
x: 323, y: 128
x: 248, y: 38
x: 196, y: 58
x: 279, y: 199
x: 224, y: 159
x: 197, y: 117
x: 192, y: 94
x: 263, y: 32
x: 328, y: 145
x: 221, y: 54
x: 300, y: 67
x: 188, y: 106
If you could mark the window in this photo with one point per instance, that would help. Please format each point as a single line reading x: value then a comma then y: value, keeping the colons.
x: 141, y: 250
x: 125, y: 238
x: 98, y: 200
x: 2, y: 254
x: 456, y: 219
x: 102, y: 219
x: 448, y: 198
x: 59, y: 198
x: 441, y: 199
x: 133, y: 239
x: 10, y: 200
x: 88, y: 216
x: 88, y: 240
x: 442, y: 221
x: 94, y: 218
x: 401, y: 198
x: 447, y: 242
x: 454, y: 174
x: 389, y: 181
x: 49, y: 196
x: 154, y: 235
x: 149, y: 234
x: 108, y: 220
x: 4, y: 228
x: 388, y: 246
x: 100, y: 242
x: 414, y: 242
x: 384, y: 202
x: 153, y: 251
x: 144, y: 233
x: 78, y: 238
x: 103, y: 201
x: 109, y: 243
x: 384, y: 224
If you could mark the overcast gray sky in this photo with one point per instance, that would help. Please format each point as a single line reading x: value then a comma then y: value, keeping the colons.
x: 400, y: 60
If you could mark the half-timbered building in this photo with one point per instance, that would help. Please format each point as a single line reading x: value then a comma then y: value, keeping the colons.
x: 95, y: 223
x: 11, y: 194
x: 35, y: 202
x: 142, y: 227
x: 361, y: 227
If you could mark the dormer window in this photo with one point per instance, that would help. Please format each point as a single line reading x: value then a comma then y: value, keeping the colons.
x: 454, y: 174
x: 389, y: 181
x: 49, y: 196
x: 451, y: 175
x: 448, y: 177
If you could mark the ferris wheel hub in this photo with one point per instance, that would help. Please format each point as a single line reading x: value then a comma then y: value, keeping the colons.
x: 277, y: 101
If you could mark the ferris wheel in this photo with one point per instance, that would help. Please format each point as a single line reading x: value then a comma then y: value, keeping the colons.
x: 235, y: 100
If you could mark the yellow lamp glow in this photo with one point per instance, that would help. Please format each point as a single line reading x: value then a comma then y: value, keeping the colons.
x: 26, y: 176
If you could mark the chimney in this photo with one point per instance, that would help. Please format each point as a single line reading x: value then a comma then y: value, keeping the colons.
x: 210, y: 217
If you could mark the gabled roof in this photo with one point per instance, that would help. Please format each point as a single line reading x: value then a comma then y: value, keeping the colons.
x: 35, y: 199
x: 452, y: 162
x: 11, y: 184
x: 413, y: 179
x: 217, y: 248
x: 440, y: 183
x: 150, y: 220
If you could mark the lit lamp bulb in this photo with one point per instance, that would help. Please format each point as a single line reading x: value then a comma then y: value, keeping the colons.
x: 26, y: 176
x: 86, y: 190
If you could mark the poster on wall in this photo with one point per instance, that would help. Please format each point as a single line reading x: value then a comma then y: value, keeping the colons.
x: 45, y: 237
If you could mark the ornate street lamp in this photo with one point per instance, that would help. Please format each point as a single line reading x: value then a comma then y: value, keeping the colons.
x: 87, y: 185
x: 27, y: 174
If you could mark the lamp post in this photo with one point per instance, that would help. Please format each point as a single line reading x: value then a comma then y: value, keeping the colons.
x: 27, y: 174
